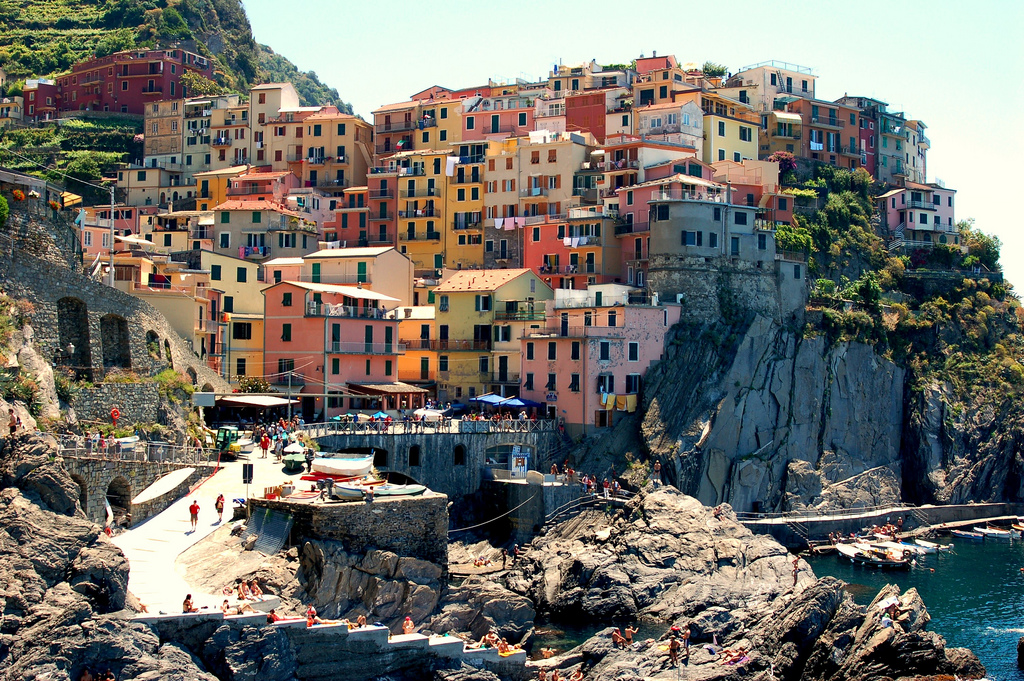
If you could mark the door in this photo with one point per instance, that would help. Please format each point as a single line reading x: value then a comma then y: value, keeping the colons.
x: 308, y: 409
x: 368, y: 339
x: 425, y: 336
x: 389, y: 338
x: 495, y: 123
x: 316, y: 273
x: 361, y: 272
x: 442, y: 335
x: 502, y: 368
x: 335, y: 337
x: 312, y: 178
x: 565, y: 324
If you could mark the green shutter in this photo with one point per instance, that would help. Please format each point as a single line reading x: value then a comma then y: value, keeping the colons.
x: 316, y: 273
x: 361, y: 272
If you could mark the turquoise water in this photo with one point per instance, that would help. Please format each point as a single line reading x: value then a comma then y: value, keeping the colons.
x: 975, y: 597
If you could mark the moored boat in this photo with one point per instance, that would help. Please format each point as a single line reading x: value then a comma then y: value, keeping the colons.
x: 877, y: 558
x: 992, y: 533
x: 294, y: 462
x: 933, y: 547
x: 969, y: 536
x: 903, y: 546
x: 398, y: 490
x: 340, y: 466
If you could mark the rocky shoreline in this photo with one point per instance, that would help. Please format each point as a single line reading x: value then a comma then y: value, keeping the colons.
x: 663, y: 558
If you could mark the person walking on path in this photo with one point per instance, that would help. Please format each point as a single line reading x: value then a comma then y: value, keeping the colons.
x: 219, y: 505
x: 265, y: 444
x: 607, y: 487
x: 193, y: 511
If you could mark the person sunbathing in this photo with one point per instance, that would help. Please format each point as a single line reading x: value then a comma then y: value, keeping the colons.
x: 360, y: 621
x: 255, y: 590
x: 244, y: 593
x: 577, y: 675
x: 732, y: 657
x: 188, y: 606
x: 618, y: 640
x: 407, y: 626
x: 240, y: 610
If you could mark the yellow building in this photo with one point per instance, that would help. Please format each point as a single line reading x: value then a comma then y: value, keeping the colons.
x: 730, y: 127
x: 419, y: 187
x: 379, y: 268
x: 463, y: 237
x: 417, y: 330
x: 481, y: 316
x: 212, y: 186
x: 242, y: 304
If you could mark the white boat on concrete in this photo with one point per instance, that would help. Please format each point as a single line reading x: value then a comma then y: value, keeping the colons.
x: 342, y: 466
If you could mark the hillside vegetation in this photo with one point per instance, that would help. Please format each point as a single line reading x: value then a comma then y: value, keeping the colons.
x: 45, y: 37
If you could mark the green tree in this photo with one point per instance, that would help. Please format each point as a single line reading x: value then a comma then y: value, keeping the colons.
x: 4, y: 211
x: 985, y: 247
x: 116, y: 41
x: 197, y: 85
x: 711, y: 69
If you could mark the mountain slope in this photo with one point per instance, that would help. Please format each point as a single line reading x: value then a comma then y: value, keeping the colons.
x: 45, y: 37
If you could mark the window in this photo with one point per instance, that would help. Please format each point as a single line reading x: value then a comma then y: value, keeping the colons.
x: 762, y: 242
x: 229, y: 303
x: 575, y: 354
x: 632, y: 384
x: 240, y: 366
x: 225, y: 217
x: 550, y: 385
x: 257, y: 217
x: 721, y: 154
x: 483, y: 303
x: 662, y: 212
x: 606, y: 350
x: 745, y: 134
x: 215, y: 272
x: 739, y: 218
x: 522, y: 119
x: 734, y: 246
x: 606, y: 383
x: 783, y: 204
x: 712, y: 240
x: 536, y: 234
x: 470, y: 123
x: 529, y: 351
x: 286, y: 299
x: 459, y: 455
x: 241, y: 331
x: 629, y: 198
x: 552, y: 351
x: 286, y: 332
x: 442, y: 363
x: 387, y: 367
x: 528, y: 383
x: 634, y: 352
x: 613, y: 316
x: 335, y: 365
x: 574, y: 383
x: 796, y: 272
x: 721, y: 128
x: 241, y: 275
x: 736, y: 156
x: 225, y: 240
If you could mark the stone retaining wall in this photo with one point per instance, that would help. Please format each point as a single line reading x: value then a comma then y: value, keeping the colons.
x: 407, y: 526
x: 137, y: 402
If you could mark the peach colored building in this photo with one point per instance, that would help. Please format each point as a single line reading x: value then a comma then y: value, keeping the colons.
x: 335, y: 348
x: 587, y: 363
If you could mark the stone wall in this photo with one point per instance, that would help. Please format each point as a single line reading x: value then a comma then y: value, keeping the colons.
x: 137, y: 402
x: 437, y: 467
x: 529, y: 505
x: 94, y: 476
x: 109, y: 314
x: 409, y: 526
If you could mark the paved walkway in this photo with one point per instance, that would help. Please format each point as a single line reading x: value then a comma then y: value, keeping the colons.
x: 153, y: 546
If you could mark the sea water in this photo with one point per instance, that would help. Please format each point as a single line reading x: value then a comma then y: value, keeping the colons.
x: 975, y: 596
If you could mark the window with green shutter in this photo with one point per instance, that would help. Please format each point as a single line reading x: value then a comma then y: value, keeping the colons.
x: 257, y: 217
x: 316, y: 273
x: 225, y: 217
x: 361, y: 272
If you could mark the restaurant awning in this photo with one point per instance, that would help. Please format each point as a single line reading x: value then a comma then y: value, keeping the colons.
x: 786, y: 116
x: 137, y: 241
x: 395, y: 388
x: 262, y: 401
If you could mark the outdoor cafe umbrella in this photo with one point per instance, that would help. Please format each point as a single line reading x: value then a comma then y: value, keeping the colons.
x: 519, y: 402
x: 489, y: 398
x: 381, y: 415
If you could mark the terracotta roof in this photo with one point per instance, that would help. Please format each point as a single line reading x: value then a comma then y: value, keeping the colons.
x: 259, y: 206
x: 678, y: 177
x: 396, y: 387
x: 397, y: 106
x: 263, y: 175
x: 348, y: 291
x: 479, y: 280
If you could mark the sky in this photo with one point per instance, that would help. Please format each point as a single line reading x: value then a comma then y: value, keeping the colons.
x: 955, y: 65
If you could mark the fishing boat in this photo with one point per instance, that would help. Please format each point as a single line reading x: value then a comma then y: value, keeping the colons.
x: 902, y: 546
x: 864, y: 554
x: 992, y: 533
x: 932, y: 547
x: 1018, y: 527
x: 294, y: 462
x: 969, y: 536
x: 338, y: 466
x: 349, y: 492
x: 398, y: 490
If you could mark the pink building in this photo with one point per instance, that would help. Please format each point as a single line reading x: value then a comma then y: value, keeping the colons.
x: 321, y: 339
x: 496, y: 118
x: 920, y: 214
x: 587, y: 365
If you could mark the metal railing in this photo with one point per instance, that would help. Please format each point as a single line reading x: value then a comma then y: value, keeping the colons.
x: 400, y: 426
x: 382, y: 217
x: 519, y: 316
x: 356, y: 348
x: 815, y: 513
x: 420, y: 213
x: 633, y: 228
x: 420, y: 193
x: 75, y: 447
x: 828, y: 121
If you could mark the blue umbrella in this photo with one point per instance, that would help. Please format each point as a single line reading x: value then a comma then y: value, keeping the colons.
x: 520, y: 403
x: 489, y: 398
x: 380, y: 415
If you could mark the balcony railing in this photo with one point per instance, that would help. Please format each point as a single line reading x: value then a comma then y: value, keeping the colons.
x: 533, y: 191
x: 413, y: 236
x: 926, y: 205
x: 519, y: 316
x: 255, y: 252
x: 472, y: 158
x: 400, y: 126
x: 467, y: 224
x: 448, y: 344
x: 220, y: 142
x: 467, y: 179
x: 314, y: 309
x: 828, y: 122
x: 794, y: 135
x: 632, y: 228
x: 849, y: 151
x: 382, y: 217
x: 288, y: 378
x: 420, y: 213
x: 420, y: 193
x: 152, y: 89
x: 201, y: 233
x: 501, y: 377
x: 246, y: 190
x: 356, y: 348
x: 382, y: 193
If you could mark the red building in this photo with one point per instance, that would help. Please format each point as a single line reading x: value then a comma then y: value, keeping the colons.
x: 126, y: 81
x: 586, y: 112
x: 42, y: 99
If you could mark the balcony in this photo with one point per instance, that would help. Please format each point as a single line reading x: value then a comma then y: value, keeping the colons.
x: 789, y: 135
x: 472, y: 158
x: 356, y: 348
x: 153, y: 89
x: 201, y: 233
x: 314, y: 309
x: 850, y: 151
x: 447, y: 344
x: 413, y: 236
x: 220, y: 142
x: 386, y: 216
x: 632, y: 228
x: 828, y: 122
x: 519, y: 316
x: 248, y: 190
x: 382, y: 193
x: 924, y: 205
x: 467, y: 224
x: 254, y: 252
x: 399, y: 126
x: 420, y: 193
x: 467, y: 179
x: 204, y: 113
x: 421, y: 213
x: 288, y: 378
x: 533, y: 191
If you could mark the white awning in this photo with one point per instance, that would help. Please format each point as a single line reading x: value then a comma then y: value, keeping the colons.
x: 265, y: 401
x: 785, y: 116
x: 138, y: 241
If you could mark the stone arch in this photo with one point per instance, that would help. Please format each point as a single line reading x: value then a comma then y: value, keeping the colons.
x: 174, y: 196
x: 459, y: 455
x: 167, y: 351
x: 83, y: 492
x: 119, y: 495
x: 73, y: 334
x: 207, y: 388
x: 153, y: 344
x: 116, y: 347
x: 414, y: 455
x: 380, y: 457
x: 192, y: 375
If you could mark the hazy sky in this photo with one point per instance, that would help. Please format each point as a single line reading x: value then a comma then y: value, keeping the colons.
x: 955, y: 65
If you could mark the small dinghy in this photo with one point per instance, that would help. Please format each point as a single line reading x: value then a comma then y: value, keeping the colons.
x: 969, y: 536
